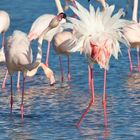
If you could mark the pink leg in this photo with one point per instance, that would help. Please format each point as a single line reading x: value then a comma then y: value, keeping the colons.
x: 4, y: 81
x: 130, y: 60
x: 3, y: 39
x: 89, y: 77
x: 11, y: 99
x: 61, y: 69
x: 104, y: 92
x: 105, y: 123
x: 22, y: 105
x: 91, y: 101
x: 47, y: 53
x: 138, y: 60
x: 18, y: 80
x: 68, y: 69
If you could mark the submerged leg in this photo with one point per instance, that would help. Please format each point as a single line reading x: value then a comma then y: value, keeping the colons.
x: 11, y: 99
x: 61, y: 69
x: 106, y: 133
x: 69, y: 69
x: 22, y: 101
x: 91, y: 100
x: 130, y: 60
x: 47, y: 53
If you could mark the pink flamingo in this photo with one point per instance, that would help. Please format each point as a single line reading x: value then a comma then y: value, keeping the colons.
x: 41, y: 23
x: 18, y: 55
x: 4, y: 25
x: 99, y: 42
x: 60, y: 42
x: 132, y: 34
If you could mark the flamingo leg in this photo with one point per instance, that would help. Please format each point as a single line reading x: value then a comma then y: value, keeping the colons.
x: 105, y: 122
x: 18, y: 80
x: 22, y: 101
x: 61, y: 69
x: 4, y: 81
x: 89, y: 77
x: 138, y: 59
x: 3, y: 39
x: 11, y: 98
x: 47, y: 53
x: 69, y: 69
x: 130, y: 60
x: 91, y: 100
x: 104, y: 90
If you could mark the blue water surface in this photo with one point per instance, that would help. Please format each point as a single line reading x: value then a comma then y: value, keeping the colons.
x: 51, y: 113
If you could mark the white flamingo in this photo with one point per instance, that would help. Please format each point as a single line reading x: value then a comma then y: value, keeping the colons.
x: 4, y: 25
x: 18, y: 54
x: 132, y: 34
x: 99, y: 42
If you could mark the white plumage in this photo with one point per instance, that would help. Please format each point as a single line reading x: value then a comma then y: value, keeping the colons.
x: 100, y: 33
x: 18, y: 52
x: 97, y: 35
x: 4, y: 25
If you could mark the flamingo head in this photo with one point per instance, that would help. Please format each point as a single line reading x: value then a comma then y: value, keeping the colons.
x: 55, y: 21
x: 60, y: 16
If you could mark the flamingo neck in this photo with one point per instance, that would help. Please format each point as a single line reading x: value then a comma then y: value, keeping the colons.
x: 135, y: 10
x: 59, y: 6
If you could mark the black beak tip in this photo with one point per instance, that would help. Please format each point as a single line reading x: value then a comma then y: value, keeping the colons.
x: 88, y: 0
x: 64, y: 15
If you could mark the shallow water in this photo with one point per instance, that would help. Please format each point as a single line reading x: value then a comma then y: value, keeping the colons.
x: 52, y: 112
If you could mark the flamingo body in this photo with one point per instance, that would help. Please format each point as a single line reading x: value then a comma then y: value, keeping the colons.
x: 132, y: 34
x: 5, y: 21
x: 4, y: 25
x: 18, y: 52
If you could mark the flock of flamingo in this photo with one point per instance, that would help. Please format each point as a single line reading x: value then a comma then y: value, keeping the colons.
x: 95, y: 33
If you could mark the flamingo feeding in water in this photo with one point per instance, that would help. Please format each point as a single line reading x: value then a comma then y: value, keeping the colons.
x: 132, y: 34
x: 99, y: 42
x: 18, y: 54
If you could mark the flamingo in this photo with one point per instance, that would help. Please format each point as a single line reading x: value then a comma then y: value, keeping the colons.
x: 4, y: 25
x: 132, y: 34
x: 41, y: 23
x: 18, y: 54
x: 99, y: 42
x: 60, y: 42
